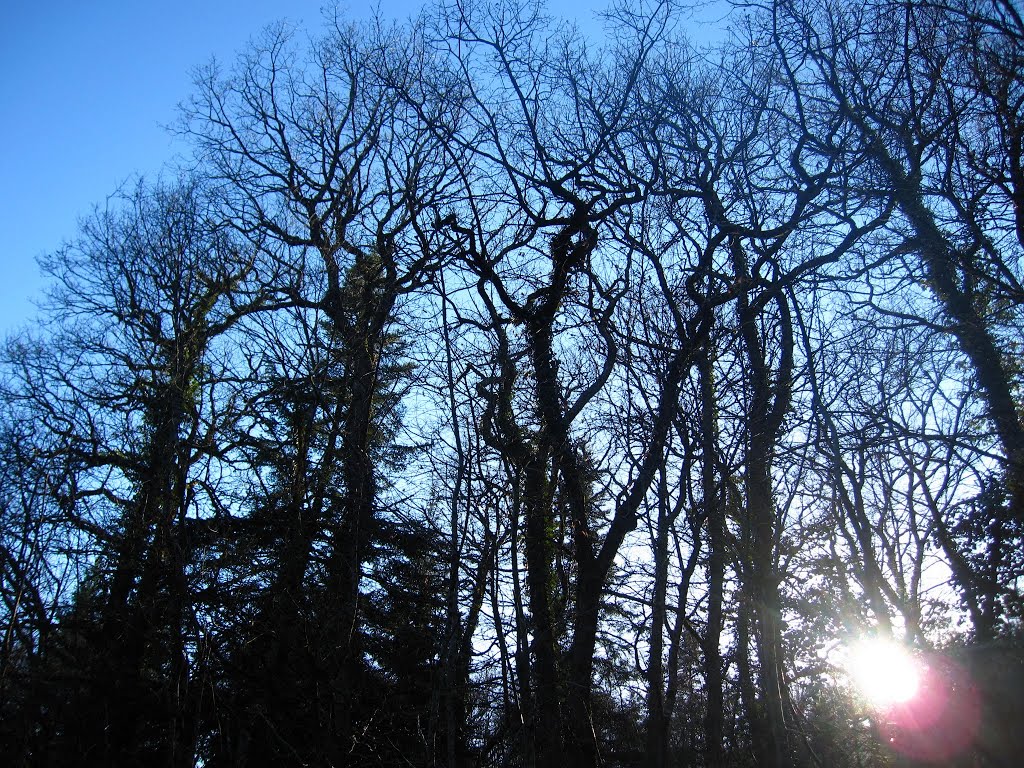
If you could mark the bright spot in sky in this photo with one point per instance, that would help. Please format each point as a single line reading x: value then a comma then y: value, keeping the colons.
x: 884, y: 672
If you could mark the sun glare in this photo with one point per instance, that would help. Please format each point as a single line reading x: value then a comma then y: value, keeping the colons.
x: 884, y: 672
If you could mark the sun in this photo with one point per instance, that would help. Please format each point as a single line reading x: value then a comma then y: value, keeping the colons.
x: 883, y: 671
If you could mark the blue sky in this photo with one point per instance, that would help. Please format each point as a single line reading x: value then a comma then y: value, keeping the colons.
x: 88, y: 89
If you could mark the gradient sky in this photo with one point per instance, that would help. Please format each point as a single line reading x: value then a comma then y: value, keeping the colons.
x: 88, y: 89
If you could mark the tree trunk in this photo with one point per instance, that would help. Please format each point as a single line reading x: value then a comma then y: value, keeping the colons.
x: 767, y: 406
x: 657, y: 717
x: 714, y: 513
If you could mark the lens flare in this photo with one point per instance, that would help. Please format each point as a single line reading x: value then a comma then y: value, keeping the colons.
x: 884, y: 672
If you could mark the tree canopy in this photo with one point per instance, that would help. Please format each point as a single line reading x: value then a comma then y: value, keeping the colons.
x: 484, y: 394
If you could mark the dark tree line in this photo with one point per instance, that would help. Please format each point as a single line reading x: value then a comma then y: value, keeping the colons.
x: 489, y: 395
